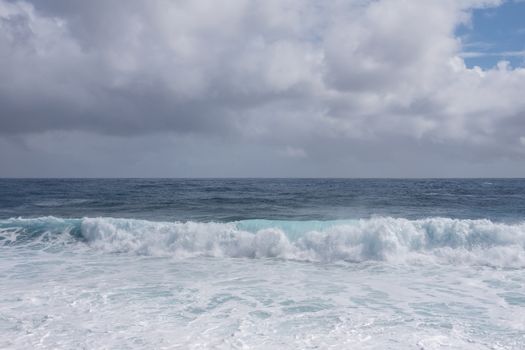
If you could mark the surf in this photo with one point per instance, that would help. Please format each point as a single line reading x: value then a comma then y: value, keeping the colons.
x: 396, y: 240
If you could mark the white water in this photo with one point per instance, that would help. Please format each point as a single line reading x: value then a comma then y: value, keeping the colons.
x: 383, y: 283
x: 434, y: 240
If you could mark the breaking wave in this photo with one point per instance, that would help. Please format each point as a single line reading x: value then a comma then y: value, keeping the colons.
x: 443, y: 240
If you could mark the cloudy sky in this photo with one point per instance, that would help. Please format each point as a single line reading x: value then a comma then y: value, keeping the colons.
x: 303, y: 88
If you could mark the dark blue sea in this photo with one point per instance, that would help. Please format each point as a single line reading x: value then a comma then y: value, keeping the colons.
x: 224, y: 200
x: 262, y: 263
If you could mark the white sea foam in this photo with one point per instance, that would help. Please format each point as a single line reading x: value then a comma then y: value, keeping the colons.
x: 440, y: 240
x: 395, y: 240
x: 104, y: 286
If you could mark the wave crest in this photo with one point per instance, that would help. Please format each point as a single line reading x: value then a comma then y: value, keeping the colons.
x: 442, y: 240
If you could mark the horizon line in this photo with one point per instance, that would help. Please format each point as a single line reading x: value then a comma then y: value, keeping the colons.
x: 265, y: 178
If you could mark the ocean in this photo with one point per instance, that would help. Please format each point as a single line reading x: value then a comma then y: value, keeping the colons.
x: 262, y: 264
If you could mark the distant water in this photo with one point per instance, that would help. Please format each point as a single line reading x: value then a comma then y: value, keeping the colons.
x: 262, y: 264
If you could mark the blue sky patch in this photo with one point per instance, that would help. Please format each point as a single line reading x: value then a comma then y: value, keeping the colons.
x: 495, y: 34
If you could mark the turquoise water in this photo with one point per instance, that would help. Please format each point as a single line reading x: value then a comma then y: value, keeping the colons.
x: 257, y: 264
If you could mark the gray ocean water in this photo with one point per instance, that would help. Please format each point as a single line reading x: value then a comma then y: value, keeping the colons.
x: 262, y: 263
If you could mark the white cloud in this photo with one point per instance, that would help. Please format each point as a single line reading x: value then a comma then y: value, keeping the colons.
x: 473, y: 54
x: 388, y: 74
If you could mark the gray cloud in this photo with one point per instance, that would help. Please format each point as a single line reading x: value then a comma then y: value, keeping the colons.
x: 317, y: 88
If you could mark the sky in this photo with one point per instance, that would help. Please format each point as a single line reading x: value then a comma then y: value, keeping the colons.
x: 262, y: 88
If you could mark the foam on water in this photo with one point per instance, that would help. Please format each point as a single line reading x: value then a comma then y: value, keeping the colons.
x: 441, y: 240
x: 380, y: 283
x: 104, y: 301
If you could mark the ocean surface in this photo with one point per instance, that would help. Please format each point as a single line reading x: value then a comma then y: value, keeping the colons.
x: 262, y: 264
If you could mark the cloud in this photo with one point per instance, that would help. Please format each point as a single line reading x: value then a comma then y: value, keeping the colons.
x: 367, y: 78
x: 474, y: 54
